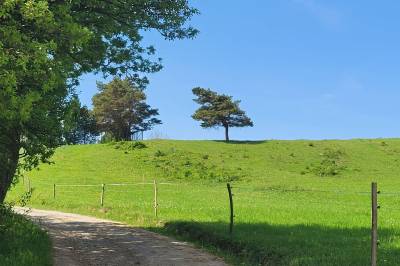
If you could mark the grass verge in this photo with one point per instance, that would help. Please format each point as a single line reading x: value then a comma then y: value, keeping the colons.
x: 21, y: 241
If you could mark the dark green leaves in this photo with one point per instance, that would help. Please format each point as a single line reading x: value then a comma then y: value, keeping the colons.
x: 218, y: 110
x: 121, y: 110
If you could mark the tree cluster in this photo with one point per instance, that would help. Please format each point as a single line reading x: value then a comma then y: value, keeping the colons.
x: 46, y: 45
x: 79, y: 124
x: 121, y: 110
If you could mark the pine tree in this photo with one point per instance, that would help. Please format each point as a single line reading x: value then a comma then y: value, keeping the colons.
x: 219, y: 111
x: 121, y: 110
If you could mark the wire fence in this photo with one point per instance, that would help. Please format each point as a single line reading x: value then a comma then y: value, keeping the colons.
x: 238, y: 198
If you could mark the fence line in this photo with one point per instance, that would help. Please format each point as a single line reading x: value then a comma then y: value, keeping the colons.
x: 103, y: 190
x: 111, y: 184
x: 66, y: 185
x: 306, y: 190
x: 374, y: 213
x: 374, y: 201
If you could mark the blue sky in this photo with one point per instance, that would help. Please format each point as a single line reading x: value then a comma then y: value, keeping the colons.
x: 304, y: 69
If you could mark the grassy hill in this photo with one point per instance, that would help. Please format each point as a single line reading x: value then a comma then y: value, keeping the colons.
x: 296, y: 202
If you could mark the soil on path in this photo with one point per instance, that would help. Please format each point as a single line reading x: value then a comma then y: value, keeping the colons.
x: 82, y: 240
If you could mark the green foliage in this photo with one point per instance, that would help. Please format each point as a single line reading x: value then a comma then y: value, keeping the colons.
x: 331, y: 163
x: 219, y: 111
x: 21, y: 242
x: 121, y: 110
x: 159, y: 153
x: 46, y: 45
x: 79, y: 124
x: 185, y: 165
x: 107, y: 138
x: 129, y: 146
x: 137, y: 145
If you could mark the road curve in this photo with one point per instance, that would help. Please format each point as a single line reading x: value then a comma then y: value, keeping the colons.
x: 82, y: 240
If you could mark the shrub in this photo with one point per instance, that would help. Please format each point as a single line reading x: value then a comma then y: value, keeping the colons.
x: 129, y: 145
x: 137, y: 145
x: 331, y: 163
x: 159, y: 153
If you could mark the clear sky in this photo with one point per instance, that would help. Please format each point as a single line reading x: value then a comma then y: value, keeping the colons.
x: 304, y: 69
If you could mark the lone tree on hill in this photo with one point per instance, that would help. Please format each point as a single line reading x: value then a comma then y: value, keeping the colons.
x: 45, y: 46
x: 219, y: 111
x: 120, y: 109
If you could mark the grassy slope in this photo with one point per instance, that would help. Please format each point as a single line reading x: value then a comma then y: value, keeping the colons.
x: 21, y: 242
x: 283, y: 227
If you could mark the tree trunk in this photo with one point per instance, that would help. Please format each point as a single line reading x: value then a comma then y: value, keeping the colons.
x: 9, y: 154
x: 227, y: 133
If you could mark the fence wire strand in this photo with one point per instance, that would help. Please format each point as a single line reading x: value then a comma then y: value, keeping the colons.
x: 305, y: 190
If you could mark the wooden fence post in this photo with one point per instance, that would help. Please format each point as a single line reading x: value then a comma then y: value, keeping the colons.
x: 102, y: 195
x: 54, y: 191
x: 231, y: 207
x: 155, y: 199
x: 374, y: 224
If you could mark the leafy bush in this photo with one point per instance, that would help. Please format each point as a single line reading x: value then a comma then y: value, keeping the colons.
x: 331, y: 163
x: 136, y: 145
x: 159, y: 153
x: 129, y: 145
x: 190, y: 166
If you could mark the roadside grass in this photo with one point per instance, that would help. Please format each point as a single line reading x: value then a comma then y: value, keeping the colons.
x: 21, y: 242
x: 296, y: 202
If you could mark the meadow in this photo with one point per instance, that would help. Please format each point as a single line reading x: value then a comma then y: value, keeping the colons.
x: 296, y: 202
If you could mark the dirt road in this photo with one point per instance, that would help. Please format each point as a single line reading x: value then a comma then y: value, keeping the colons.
x: 81, y: 240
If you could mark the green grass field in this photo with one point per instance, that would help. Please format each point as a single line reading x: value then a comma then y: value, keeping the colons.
x: 21, y: 242
x: 296, y: 202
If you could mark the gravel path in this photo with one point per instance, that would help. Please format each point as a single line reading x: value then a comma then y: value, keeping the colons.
x: 82, y: 240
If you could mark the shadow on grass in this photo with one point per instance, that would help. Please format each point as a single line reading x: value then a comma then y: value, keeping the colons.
x: 254, y: 142
x: 263, y: 244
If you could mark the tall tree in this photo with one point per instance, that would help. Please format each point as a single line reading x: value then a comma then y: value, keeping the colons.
x: 120, y: 108
x: 71, y: 121
x: 219, y: 111
x: 79, y: 124
x: 87, y: 126
x: 45, y: 45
